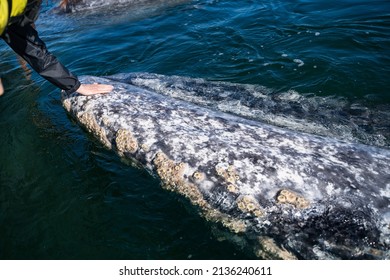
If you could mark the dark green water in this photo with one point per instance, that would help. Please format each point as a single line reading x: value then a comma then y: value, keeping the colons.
x: 63, y: 196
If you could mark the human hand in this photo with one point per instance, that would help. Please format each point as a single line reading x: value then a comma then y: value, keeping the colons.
x: 91, y: 89
x: 1, y: 88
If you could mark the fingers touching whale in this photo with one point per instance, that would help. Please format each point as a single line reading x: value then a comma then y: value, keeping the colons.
x: 287, y: 194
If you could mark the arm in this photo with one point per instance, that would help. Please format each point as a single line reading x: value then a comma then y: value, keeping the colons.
x: 24, y: 40
x: 1, y: 88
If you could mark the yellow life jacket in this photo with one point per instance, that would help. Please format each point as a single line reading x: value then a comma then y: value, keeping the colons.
x: 17, y: 9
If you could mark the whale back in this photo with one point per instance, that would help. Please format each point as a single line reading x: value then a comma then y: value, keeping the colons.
x: 286, y: 194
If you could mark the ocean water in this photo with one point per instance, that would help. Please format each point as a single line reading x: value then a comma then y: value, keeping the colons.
x: 321, y: 67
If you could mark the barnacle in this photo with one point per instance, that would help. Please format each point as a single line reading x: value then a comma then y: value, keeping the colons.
x: 258, y: 213
x: 281, y: 198
x: 235, y: 226
x: 66, y: 104
x: 302, y: 203
x: 172, y: 177
x: 220, y: 171
x: 231, y: 188
x: 198, y: 176
x: 229, y: 176
x: 89, y: 122
x: 269, y: 249
x: 247, y: 204
x: 145, y: 147
x: 125, y: 142
x: 289, y: 197
x: 171, y: 173
x: 159, y: 158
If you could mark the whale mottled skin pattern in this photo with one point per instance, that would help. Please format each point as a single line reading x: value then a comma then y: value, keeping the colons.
x: 333, y: 117
x: 82, y: 5
x: 286, y: 194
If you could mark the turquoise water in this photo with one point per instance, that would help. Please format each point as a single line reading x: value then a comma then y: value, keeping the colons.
x: 63, y: 196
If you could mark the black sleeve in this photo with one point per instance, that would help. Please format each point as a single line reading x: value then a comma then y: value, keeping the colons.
x: 24, y: 40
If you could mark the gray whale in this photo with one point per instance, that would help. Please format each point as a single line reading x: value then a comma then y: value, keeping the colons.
x: 85, y: 5
x: 286, y: 194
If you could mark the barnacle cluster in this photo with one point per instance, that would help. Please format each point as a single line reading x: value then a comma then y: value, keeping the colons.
x: 289, y: 197
x: 171, y: 173
x: 89, y: 122
x: 233, y: 224
x: 269, y: 250
x: 125, y: 142
x: 175, y: 176
x: 172, y: 177
x: 230, y: 177
x: 248, y: 204
x: 66, y: 104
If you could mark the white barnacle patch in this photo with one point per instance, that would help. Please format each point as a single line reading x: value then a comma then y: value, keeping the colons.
x: 290, y: 197
x: 172, y: 176
x: 229, y: 176
x: 228, y: 173
x: 268, y: 249
x: 232, y: 188
x: 88, y: 120
x: 248, y: 204
x: 170, y: 172
x: 125, y: 142
x: 67, y: 104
